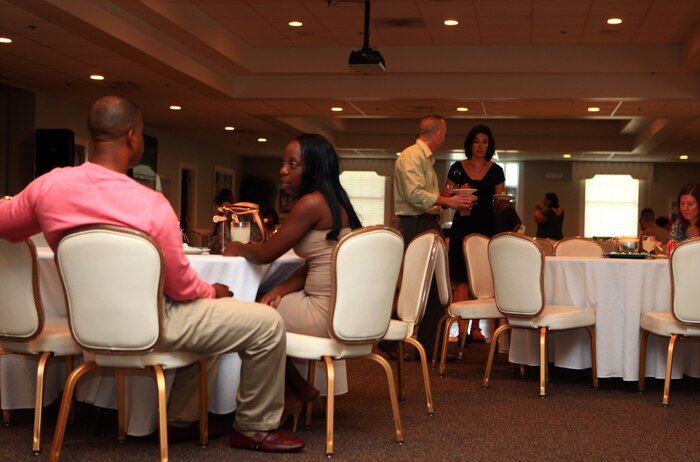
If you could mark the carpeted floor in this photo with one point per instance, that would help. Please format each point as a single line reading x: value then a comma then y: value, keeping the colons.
x: 506, y: 422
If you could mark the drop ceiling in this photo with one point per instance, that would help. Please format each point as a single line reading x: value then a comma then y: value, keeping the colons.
x: 527, y: 68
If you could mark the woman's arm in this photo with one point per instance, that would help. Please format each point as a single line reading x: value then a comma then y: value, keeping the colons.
x: 540, y: 215
x: 295, y: 283
x: 304, y: 216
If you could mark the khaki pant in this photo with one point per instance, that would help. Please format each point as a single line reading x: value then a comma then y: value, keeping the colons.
x: 211, y: 327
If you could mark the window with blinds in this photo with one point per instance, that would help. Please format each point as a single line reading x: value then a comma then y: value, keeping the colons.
x: 366, y: 191
x: 612, y: 204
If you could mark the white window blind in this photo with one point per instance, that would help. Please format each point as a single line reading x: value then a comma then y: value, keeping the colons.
x: 366, y: 191
x: 611, y: 207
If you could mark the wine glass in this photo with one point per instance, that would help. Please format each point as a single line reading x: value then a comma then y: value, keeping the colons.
x: 648, y: 243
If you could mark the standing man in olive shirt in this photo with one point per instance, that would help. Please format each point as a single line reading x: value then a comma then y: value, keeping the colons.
x: 417, y: 203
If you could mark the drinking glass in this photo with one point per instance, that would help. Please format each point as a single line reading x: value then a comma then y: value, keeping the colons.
x: 240, y: 231
x: 648, y: 243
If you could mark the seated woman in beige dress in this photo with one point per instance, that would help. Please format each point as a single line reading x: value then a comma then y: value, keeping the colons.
x: 321, y: 215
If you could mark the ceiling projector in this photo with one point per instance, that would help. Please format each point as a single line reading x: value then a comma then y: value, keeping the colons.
x: 367, y: 61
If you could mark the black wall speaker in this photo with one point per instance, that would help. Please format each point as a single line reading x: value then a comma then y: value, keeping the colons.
x: 54, y: 148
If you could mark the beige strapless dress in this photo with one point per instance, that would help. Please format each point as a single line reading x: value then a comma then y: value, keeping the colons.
x: 306, y: 311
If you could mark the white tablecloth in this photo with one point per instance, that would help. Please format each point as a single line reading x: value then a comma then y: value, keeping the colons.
x: 619, y: 290
x: 18, y: 373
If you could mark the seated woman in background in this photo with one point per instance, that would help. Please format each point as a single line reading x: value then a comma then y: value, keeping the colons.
x: 320, y: 217
x: 687, y: 225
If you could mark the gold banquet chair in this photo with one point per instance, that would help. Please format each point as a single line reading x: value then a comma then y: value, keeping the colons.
x: 23, y: 327
x: 364, y: 272
x: 517, y: 265
x: 416, y: 277
x: 546, y: 245
x: 113, y: 278
x: 475, y: 247
x: 578, y: 247
x: 683, y: 320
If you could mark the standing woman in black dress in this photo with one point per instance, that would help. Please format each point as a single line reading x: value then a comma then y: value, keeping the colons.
x: 479, y: 172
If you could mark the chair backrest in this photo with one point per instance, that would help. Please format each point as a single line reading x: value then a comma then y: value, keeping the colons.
x: 21, y: 311
x: 578, y: 247
x: 517, y: 265
x: 685, y: 266
x: 418, y: 270
x: 442, y: 274
x: 546, y: 246
x: 365, y: 268
x: 476, y: 256
x: 113, y: 280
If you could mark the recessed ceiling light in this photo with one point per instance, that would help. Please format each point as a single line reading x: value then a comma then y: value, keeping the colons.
x: 175, y: 108
x: 398, y: 153
x: 566, y: 156
x: 337, y: 109
x: 5, y: 40
x: 262, y: 140
x: 462, y: 109
x: 450, y: 22
x: 683, y: 157
x: 296, y: 23
x: 97, y: 77
x: 229, y: 128
x: 614, y: 21
x: 593, y: 109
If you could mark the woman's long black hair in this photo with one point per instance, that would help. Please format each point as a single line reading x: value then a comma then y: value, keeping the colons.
x: 321, y: 172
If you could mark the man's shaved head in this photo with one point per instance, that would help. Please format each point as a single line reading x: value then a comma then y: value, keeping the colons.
x: 111, y: 117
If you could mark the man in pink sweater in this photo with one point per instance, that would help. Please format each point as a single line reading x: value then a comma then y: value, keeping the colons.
x: 199, y: 317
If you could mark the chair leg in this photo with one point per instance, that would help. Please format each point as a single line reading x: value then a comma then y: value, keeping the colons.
x: 594, y: 367
x: 543, y: 360
x: 399, y: 371
x: 424, y: 366
x: 203, y: 403
x: 6, y: 417
x: 522, y: 371
x: 438, y: 339
x: 311, y: 377
x: 162, y: 415
x: 445, y: 342
x: 492, y: 352
x: 642, y: 360
x: 462, y: 343
x: 69, y: 369
x: 121, y: 405
x: 39, y: 401
x: 669, y: 367
x: 65, y: 408
x: 330, y: 403
x: 392, y: 395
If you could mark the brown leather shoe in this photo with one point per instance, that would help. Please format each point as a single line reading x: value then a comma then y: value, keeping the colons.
x: 272, y: 441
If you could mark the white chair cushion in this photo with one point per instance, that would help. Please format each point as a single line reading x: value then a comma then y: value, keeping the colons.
x: 476, y: 309
x: 557, y: 317
x: 55, y: 337
x: 398, y: 330
x: 665, y: 324
x: 167, y: 360
x: 309, y: 347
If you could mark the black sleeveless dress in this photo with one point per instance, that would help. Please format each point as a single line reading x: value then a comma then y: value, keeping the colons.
x: 481, y: 217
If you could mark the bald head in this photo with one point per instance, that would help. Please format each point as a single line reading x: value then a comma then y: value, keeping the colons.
x: 116, y: 127
x: 433, y: 129
x: 111, y: 117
